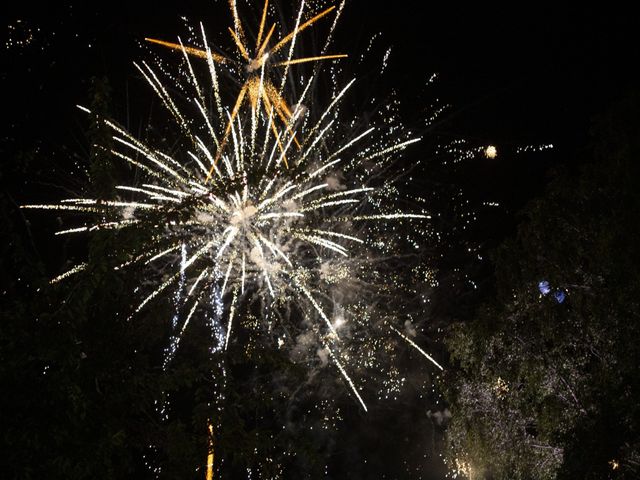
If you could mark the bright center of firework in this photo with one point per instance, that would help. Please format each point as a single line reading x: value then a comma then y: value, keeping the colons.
x: 241, y: 218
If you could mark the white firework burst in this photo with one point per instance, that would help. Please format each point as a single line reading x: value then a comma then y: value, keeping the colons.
x: 282, y: 212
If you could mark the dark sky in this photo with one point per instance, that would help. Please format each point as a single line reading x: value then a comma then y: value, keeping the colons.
x: 514, y: 77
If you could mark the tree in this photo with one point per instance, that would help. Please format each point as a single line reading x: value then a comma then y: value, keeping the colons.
x: 79, y: 399
x: 547, y: 373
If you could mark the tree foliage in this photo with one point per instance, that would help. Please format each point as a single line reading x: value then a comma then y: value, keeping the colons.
x: 546, y: 387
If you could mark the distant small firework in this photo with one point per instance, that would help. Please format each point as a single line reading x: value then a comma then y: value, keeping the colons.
x: 278, y: 212
x: 491, y: 151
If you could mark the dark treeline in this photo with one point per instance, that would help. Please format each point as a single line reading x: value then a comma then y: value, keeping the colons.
x: 544, y: 378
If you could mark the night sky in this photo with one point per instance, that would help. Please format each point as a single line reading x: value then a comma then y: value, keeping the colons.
x: 513, y: 77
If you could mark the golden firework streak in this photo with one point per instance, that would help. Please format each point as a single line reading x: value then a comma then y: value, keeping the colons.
x: 256, y: 87
x: 210, y: 456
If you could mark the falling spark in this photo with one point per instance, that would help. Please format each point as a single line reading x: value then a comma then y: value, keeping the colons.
x: 414, y: 345
x: 68, y: 273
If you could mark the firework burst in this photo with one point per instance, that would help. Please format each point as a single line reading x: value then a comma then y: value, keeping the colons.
x: 276, y: 213
x: 258, y: 88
